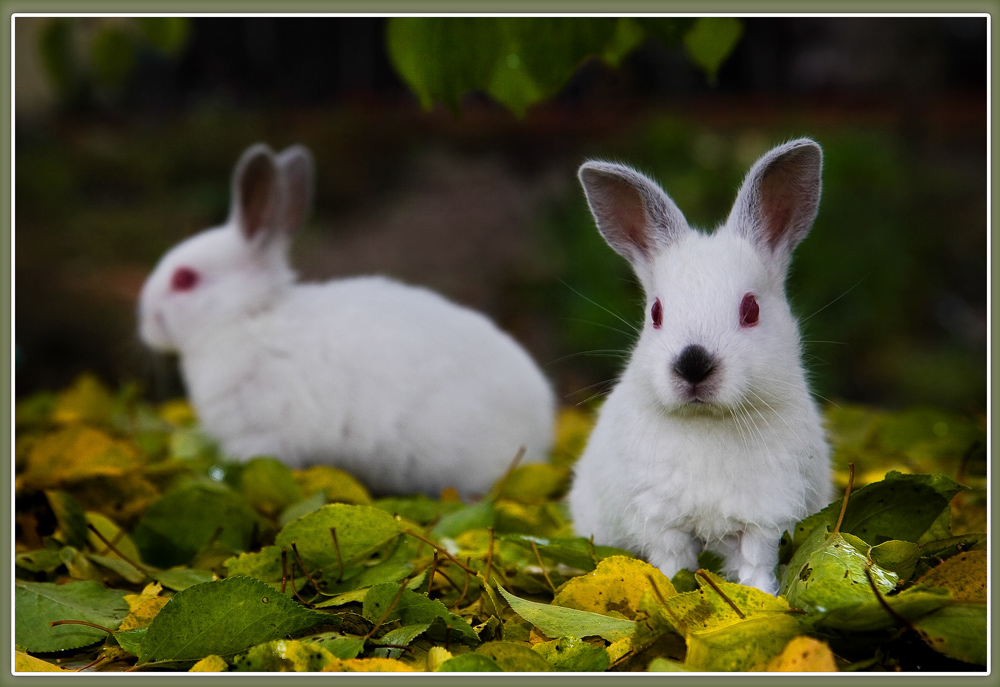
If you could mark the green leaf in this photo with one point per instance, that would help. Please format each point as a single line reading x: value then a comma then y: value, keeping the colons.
x: 711, y: 40
x: 574, y: 655
x: 180, y: 579
x: 469, y: 663
x: 420, y: 508
x: 70, y: 518
x: 901, y: 506
x: 223, y: 617
x: 829, y: 572
x: 341, y: 646
x: 957, y: 631
x: 168, y: 35
x: 514, y: 658
x: 36, y: 604
x: 285, y: 655
x: 131, y: 640
x: 576, y: 552
x: 900, y: 557
x: 555, y: 621
x: 402, y: 636
x: 361, y: 530
x: 705, y: 608
x: 268, y: 485
x: 477, y: 516
x: 182, y: 521
x: 302, y: 508
x: 412, y: 608
x: 746, y: 645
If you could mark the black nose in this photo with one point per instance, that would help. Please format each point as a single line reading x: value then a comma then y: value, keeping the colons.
x: 694, y: 364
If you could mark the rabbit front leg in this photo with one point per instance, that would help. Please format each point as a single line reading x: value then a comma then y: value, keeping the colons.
x: 674, y: 549
x: 751, y: 556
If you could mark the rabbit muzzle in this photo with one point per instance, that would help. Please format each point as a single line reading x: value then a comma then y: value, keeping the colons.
x: 695, y: 373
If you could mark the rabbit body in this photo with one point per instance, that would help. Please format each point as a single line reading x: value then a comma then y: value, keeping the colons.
x: 710, y: 439
x: 393, y: 383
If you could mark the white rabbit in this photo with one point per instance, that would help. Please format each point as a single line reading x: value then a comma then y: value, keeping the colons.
x: 710, y: 439
x: 394, y: 383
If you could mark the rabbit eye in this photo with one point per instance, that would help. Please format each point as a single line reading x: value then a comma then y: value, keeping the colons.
x: 749, y: 311
x: 184, y: 279
x: 657, y: 314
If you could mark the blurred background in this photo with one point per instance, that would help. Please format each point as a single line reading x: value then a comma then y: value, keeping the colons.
x: 126, y: 131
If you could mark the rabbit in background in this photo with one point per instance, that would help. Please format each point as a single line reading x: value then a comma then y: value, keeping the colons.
x: 393, y: 383
x: 710, y: 439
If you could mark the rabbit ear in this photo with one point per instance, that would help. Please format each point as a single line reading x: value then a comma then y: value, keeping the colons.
x: 256, y: 197
x: 296, y: 167
x: 632, y: 212
x: 779, y: 198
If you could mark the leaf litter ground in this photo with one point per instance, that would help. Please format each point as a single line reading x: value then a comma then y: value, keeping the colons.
x: 139, y: 547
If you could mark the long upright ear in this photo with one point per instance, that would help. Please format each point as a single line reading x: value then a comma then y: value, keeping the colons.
x: 779, y: 199
x: 296, y: 168
x: 256, y: 197
x: 633, y: 213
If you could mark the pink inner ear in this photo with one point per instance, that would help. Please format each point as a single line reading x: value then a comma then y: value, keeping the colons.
x: 629, y: 214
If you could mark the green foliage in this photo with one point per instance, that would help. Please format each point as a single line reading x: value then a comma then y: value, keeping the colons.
x: 520, y: 61
x: 423, y: 584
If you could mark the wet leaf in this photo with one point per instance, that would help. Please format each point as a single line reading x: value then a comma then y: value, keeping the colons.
x: 829, y: 572
x: 556, y: 621
x: 223, y: 617
x: 899, y: 557
x: 616, y: 585
x: 804, y: 655
x: 36, y: 604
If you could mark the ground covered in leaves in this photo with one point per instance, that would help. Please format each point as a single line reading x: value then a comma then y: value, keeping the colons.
x: 138, y: 547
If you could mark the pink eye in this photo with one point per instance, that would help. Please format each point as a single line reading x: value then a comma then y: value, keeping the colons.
x: 184, y: 279
x: 657, y: 313
x: 749, y: 311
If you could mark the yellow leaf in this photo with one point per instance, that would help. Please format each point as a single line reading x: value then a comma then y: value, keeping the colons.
x: 25, y: 663
x: 143, y: 614
x: 964, y: 575
x: 616, y: 585
x: 337, y: 486
x: 150, y: 591
x: 75, y: 453
x: 86, y: 401
x: 210, y: 664
x: 572, y: 429
x: 370, y: 665
x: 535, y: 483
x: 178, y: 413
x: 436, y: 656
x: 804, y: 655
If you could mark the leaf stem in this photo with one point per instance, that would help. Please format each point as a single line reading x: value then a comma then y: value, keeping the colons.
x: 847, y: 495
x: 392, y: 605
x: 54, y: 623
x: 430, y: 578
x: 302, y: 565
x: 703, y: 575
x: 118, y: 553
x: 545, y: 573
x: 340, y: 560
x: 498, y: 487
x: 885, y: 604
x: 441, y: 549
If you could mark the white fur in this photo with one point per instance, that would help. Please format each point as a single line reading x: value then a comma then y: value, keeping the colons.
x: 393, y: 383
x: 666, y: 476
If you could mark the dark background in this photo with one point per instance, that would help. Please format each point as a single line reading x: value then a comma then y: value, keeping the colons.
x: 112, y: 167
